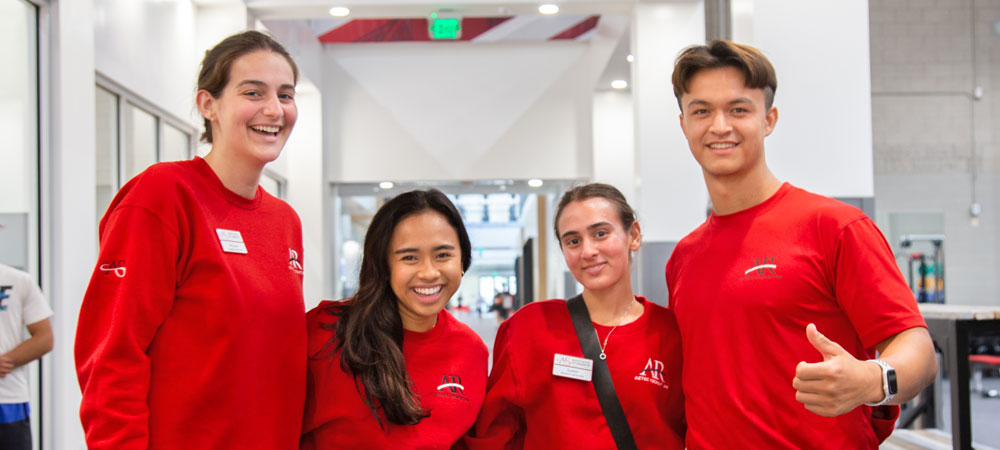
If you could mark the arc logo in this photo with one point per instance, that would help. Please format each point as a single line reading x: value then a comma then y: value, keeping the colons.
x: 116, y: 267
x: 653, y: 373
x: 451, y: 387
x: 764, y: 267
x: 4, y: 296
x: 294, y: 263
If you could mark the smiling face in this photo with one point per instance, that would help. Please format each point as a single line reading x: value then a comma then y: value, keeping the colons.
x: 425, y: 264
x: 595, y: 244
x: 253, y: 116
x: 725, y: 123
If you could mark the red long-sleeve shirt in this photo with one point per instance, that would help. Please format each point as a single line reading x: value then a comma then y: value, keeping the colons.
x: 447, y: 365
x: 529, y: 407
x: 183, y: 341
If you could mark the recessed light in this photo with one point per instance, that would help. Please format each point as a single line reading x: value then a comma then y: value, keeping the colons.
x: 386, y: 185
x: 535, y: 182
x: 548, y: 8
x: 630, y: 58
x: 339, y: 11
x: 619, y: 84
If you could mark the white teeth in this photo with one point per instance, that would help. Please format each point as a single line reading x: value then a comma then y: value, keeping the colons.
x: 722, y: 145
x: 428, y: 291
x: 265, y: 129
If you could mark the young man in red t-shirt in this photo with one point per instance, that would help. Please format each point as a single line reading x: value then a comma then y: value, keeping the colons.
x: 782, y: 296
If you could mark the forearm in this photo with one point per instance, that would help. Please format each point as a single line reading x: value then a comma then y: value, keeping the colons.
x: 30, y: 350
x: 911, y: 353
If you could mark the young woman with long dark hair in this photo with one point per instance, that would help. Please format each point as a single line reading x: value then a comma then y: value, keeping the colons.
x: 390, y: 367
x: 539, y: 393
x: 191, y: 333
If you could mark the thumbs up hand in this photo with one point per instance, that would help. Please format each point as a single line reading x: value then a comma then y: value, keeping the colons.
x: 839, y: 383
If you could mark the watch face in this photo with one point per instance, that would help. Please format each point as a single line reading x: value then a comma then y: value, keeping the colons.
x: 891, y: 378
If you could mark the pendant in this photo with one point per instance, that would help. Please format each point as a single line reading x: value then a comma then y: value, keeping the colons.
x: 603, y: 356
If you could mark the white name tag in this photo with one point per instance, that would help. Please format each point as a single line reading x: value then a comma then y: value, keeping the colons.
x: 572, y: 367
x: 231, y: 240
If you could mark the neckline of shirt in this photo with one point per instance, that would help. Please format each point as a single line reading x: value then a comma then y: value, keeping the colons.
x: 423, y: 336
x: 628, y: 328
x: 202, y: 168
x: 755, y: 210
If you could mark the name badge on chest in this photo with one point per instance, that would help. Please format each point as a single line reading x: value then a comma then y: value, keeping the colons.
x: 231, y: 241
x: 572, y: 367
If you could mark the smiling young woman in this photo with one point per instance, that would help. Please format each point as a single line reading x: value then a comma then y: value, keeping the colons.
x: 390, y: 367
x: 531, y: 402
x: 191, y: 333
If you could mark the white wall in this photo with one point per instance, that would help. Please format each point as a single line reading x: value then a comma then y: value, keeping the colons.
x: 460, y: 111
x: 820, y: 50
x: 614, y: 141
x: 671, y: 192
x: 149, y: 48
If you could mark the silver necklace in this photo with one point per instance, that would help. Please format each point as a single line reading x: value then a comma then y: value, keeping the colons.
x: 605, y: 344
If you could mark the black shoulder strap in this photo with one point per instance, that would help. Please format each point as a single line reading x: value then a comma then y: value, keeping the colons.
x: 603, y: 384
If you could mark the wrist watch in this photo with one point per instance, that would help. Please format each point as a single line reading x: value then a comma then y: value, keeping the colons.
x: 889, y: 386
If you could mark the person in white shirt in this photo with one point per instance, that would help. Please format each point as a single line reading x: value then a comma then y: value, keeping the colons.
x: 21, y: 306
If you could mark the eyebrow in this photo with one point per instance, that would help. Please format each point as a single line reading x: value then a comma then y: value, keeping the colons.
x: 591, y: 227
x: 731, y: 102
x: 264, y: 85
x: 415, y: 250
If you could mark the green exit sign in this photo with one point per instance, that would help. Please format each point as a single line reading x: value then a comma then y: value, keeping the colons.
x: 445, y: 28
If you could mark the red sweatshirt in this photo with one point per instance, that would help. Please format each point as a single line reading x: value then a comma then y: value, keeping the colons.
x: 529, y: 407
x: 447, y: 365
x: 192, y: 331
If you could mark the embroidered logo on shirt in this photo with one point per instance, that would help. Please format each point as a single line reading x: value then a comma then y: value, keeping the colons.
x: 763, y: 268
x: 116, y: 267
x: 4, y: 296
x: 294, y: 264
x: 653, y: 373
x: 451, y: 387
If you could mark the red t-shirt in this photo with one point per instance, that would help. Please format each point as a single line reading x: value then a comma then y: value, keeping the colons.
x: 745, y: 285
x: 446, y: 363
x: 529, y: 407
x: 181, y: 343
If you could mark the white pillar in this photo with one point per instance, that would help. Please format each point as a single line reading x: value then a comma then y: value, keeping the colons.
x: 671, y: 191
x: 69, y: 220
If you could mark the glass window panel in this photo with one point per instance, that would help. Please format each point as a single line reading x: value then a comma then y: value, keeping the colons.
x: 176, y: 144
x: 140, y: 140
x: 107, y: 148
x: 19, y: 242
x: 19, y: 152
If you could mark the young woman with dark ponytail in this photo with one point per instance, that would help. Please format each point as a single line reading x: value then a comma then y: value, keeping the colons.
x: 533, y: 401
x: 390, y: 367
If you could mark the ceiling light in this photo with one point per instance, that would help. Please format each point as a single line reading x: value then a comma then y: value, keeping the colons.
x: 386, y: 185
x: 339, y: 11
x: 630, y: 58
x: 548, y: 8
x: 619, y: 84
x: 535, y: 182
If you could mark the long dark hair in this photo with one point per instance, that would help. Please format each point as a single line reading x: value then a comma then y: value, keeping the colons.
x: 369, y: 332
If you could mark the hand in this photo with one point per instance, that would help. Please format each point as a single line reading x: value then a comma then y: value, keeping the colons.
x: 6, y: 365
x: 839, y: 383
